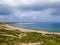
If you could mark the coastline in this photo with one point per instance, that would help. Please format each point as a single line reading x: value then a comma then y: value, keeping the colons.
x: 29, y: 30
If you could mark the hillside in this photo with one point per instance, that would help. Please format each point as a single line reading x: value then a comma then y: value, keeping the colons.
x: 16, y: 37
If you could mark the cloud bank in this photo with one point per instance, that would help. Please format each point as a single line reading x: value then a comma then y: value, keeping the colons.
x: 29, y: 10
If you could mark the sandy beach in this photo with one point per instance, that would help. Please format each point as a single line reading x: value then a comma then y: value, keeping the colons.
x: 29, y: 30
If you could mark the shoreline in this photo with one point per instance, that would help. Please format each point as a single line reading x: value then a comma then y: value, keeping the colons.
x: 29, y: 30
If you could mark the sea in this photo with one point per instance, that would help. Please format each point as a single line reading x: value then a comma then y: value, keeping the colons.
x: 42, y: 26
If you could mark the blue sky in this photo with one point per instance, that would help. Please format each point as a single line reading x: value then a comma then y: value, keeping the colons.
x: 29, y: 10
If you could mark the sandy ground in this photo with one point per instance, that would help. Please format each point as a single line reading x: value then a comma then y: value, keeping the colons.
x: 30, y: 43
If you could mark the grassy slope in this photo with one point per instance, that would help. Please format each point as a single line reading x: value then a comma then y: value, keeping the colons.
x: 11, y: 37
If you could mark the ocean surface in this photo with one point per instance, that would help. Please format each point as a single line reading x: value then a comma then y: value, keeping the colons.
x: 43, y: 26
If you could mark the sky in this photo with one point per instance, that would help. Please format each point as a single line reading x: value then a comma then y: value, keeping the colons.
x: 29, y: 10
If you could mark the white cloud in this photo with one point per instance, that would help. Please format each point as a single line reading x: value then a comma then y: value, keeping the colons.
x: 26, y: 13
x: 9, y: 2
x: 2, y: 17
x: 26, y: 2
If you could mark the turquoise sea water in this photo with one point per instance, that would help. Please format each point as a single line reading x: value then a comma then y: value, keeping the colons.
x: 44, y: 26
